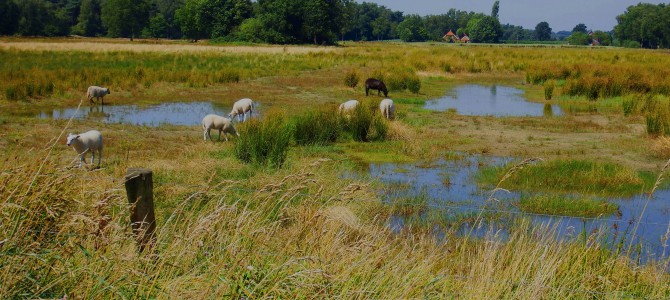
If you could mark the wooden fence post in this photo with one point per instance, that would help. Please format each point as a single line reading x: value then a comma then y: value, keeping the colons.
x: 140, y: 191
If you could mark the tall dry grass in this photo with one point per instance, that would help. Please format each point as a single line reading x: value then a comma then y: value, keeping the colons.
x: 299, y: 232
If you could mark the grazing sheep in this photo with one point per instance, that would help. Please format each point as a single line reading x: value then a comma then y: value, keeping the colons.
x: 388, y: 109
x: 375, y: 84
x: 348, y: 107
x: 241, y: 107
x: 96, y: 92
x: 218, y: 122
x: 89, y: 141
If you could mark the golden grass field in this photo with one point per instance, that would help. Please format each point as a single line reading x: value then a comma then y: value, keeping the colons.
x: 227, y: 229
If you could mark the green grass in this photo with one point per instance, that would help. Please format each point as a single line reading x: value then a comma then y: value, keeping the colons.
x: 566, y: 206
x: 571, y: 176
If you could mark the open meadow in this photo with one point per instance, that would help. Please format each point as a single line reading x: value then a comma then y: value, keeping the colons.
x: 290, y: 209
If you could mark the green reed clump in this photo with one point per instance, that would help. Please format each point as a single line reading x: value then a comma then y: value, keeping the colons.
x: 365, y: 125
x: 402, y: 80
x: 548, y: 90
x: 566, y: 206
x: 414, y: 84
x: 380, y: 128
x: 351, y: 79
x: 359, y: 122
x: 227, y: 76
x: 569, y: 176
x: 317, y: 127
x: 264, y: 142
x: 657, y: 123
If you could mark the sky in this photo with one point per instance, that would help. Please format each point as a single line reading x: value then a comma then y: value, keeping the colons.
x: 560, y: 14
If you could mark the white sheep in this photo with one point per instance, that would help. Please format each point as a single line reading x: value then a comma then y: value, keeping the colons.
x: 348, y: 106
x: 387, y: 108
x: 224, y: 124
x: 96, y: 92
x: 241, y: 107
x: 89, y: 141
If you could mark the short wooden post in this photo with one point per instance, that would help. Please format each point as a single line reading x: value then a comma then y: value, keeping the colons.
x: 140, y: 191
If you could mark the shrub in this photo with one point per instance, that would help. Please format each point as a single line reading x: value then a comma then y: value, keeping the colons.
x: 414, y: 84
x: 548, y: 90
x: 317, y: 128
x: 396, y: 82
x: 351, y: 79
x: 264, y: 142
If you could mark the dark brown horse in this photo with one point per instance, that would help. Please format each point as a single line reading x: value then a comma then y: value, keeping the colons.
x: 375, y: 84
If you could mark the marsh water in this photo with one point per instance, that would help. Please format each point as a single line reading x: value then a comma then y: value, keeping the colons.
x: 451, y: 192
x: 176, y: 113
x: 494, y: 100
x: 470, y: 99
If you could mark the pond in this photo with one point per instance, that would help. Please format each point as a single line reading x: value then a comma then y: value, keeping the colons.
x: 451, y: 192
x: 175, y: 113
x: 494, y: 100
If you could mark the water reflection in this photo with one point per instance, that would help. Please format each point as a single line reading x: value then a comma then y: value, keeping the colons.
x: 479, y: 100
x: 177, y: 113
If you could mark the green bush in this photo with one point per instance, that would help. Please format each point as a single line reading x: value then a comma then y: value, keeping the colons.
x: 317, y: 128
x: 351, y: 79
x: 264, y: 142
x: 414, y: 84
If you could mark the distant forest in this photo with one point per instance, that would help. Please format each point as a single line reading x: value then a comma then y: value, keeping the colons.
x: 305, y: 21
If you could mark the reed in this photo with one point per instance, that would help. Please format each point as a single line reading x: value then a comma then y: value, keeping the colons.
x: 320, y: 127
x: 264, y: 142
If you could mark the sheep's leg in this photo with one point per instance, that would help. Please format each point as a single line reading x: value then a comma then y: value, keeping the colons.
x: 99, y: 157
x: 225, y: 135
x: 82, y: 159
x: 92, y: 157
x: 205, y: 134
x: 220, y: 134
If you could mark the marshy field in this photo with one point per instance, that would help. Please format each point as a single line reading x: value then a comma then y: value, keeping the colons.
x: 508, y: 172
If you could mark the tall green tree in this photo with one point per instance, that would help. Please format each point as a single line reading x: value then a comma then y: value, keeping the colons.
x: 9, y: 17
x: 484, y: 29
x: 542, y: 31
x: 125, y: 18
x: 381, y: 26
x: 221, y: 17
x: 646, y: 24
x: 495, y: 9
x: 580, y: 28
x: 189, y: 21
x: 38, y: 17
x: 89, y: 21
x: 412, y: 29
x: 321, y: 20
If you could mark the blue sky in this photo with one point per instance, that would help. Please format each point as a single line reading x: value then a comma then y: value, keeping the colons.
x: 560, y: 14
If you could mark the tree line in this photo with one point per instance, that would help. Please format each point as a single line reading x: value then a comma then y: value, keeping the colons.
x: 298, y: 21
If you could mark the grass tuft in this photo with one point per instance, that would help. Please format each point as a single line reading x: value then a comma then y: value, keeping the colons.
x: 264, y: 142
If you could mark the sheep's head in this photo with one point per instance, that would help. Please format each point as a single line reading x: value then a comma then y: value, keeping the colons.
x: 71, y: 137
x: 107, y: 90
